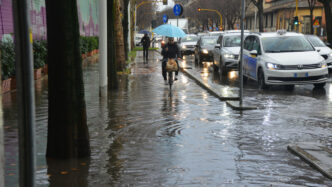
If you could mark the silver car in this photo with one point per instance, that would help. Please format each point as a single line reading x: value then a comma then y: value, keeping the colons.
x: 321, y: 48
x: 187, y: 44
x: 226, y: 52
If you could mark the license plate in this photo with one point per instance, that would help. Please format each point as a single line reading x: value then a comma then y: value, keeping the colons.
x: 304, y: 74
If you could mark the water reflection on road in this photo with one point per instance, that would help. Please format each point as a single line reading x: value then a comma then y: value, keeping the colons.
x: 141, y: 137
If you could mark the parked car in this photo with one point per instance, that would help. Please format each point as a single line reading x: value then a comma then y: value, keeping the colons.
x: 138, y: 38
x: 204, y: 48
x: 226, y: 52
x: 187, y: 44
x: 218, y: 33
x: 321, y: 48
x: 283, y: 58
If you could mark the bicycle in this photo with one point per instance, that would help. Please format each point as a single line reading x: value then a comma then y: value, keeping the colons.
x: 170, y: 82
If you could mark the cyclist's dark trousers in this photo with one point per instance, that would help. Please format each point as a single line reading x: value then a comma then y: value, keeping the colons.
x: 163, y: 67
x: 145, y: 53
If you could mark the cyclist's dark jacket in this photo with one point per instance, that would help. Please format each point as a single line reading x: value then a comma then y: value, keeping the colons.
x: 173, y: 51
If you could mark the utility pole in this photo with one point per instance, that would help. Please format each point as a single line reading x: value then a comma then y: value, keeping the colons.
x: 25, y: 92
x: 241, y: 53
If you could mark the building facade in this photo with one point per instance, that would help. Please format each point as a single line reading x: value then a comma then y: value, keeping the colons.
x: 279, y: 14
x: 87, y: 12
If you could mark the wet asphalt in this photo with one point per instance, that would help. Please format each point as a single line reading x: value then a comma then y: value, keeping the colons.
x: 140, y: 136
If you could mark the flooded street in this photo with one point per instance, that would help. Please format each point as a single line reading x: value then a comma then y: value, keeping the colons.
x: 140, y: 136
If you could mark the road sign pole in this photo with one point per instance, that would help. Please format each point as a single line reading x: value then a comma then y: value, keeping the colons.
x: 102, y: 47
x: 241, y: 53
x: 25, y: 92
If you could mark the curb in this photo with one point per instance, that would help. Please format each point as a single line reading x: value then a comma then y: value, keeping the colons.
x: 303, y: 150
x: 207, y: 87
x: 236, y: 106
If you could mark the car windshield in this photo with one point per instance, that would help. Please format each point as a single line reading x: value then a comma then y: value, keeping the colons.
x: 189, y: 39
x: 286, y: 44
x: 315, y: 41
x: 209, y: 41
x: 232, y: 41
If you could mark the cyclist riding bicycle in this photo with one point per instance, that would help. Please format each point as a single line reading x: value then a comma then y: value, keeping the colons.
x: 170, y: 50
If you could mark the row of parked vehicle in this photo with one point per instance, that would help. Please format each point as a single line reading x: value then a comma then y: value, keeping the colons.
x: 273, y: 58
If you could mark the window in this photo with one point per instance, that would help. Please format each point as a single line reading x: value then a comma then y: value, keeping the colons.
x: 286, y: 44
x: 248, y: 43
x: 232, y: 41
x: 271, y: 20
x: 256, y: 45
x: 219, y: 40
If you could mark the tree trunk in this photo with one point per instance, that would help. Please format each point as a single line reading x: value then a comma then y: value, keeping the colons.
x: 111, y: 68
x: 68, y: 135
x: 125, y: 27
x: 328, y: 17
x: 132, y: 26
x: 261, y: 15
x: 2, y: 145
x: 120, y: 49
x: 311, y: 21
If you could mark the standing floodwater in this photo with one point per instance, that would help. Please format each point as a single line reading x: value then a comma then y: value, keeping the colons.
x: 140, y: 136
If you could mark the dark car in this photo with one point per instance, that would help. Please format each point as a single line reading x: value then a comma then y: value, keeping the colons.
x: 204, y: 48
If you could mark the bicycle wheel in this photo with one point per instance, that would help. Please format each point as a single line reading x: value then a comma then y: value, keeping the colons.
x: 170, y: 80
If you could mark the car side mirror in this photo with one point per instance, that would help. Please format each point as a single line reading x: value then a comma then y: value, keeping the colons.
x: 254, y: 53
x: 318, y: 50
x: 328, y: 44
x: 217, y: 46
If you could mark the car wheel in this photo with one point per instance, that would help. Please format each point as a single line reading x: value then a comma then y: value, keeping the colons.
x: 320, y: 85
x: 261, y: 80
x: 245, y: 79
x: 223, y: 68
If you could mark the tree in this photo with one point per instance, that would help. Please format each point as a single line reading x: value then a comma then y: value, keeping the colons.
x: 68, y: 135
x: 125, y: 25
x: 312, y: 5
x: 119, y: 50
x: 111, y: 68
x: 328, y: 17
x: 259, y: 5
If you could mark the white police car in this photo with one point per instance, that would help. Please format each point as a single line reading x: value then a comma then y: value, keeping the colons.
x: 282, y: 58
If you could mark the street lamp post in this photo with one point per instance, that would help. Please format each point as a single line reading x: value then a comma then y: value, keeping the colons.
x: 212, y: 10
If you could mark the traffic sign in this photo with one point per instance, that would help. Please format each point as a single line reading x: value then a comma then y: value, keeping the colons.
x: 177, y: 9
x: 165, y: 18
x: 316, y: 22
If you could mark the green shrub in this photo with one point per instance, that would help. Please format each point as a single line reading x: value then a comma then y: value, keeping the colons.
x: 88, y: 43
x: 39, y: 53
x: 83, y: 45
x: 7, y: 60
